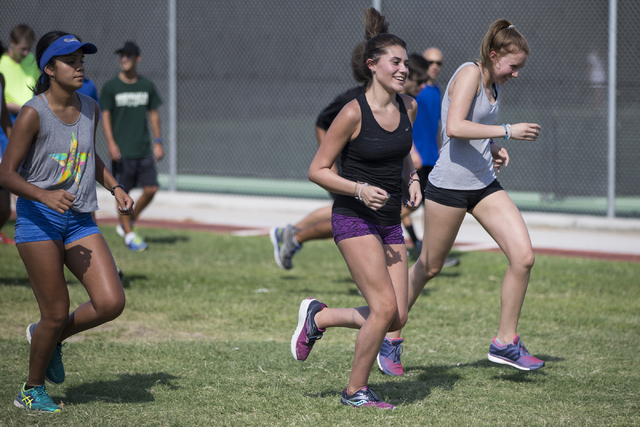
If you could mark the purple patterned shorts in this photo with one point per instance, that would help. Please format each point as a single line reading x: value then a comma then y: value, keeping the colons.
x: 345, y: 227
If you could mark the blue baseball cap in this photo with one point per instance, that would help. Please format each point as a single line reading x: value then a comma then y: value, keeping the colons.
x: 64, y: 46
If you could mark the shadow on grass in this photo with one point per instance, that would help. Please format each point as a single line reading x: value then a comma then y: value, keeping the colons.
x: 129, y: 388
x: 15, y: 281
x: 128, y: 279
x: 432, y: 377
x: 167, y: 240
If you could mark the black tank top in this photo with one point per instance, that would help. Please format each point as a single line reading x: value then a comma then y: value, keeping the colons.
x: 376, y: 156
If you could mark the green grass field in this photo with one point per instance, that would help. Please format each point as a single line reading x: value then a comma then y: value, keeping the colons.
x: 204, y: 340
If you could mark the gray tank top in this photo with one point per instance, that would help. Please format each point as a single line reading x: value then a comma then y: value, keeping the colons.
x: 466, y: 164
x: 63, y: 157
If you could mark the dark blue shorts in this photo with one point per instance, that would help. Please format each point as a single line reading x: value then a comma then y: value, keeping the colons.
x: 36, y: 222
x: 467, y: 199
x: 135, y: 173
x: 345, y: 227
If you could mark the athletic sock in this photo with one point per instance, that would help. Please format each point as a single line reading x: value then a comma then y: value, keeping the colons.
x: 128, y: 238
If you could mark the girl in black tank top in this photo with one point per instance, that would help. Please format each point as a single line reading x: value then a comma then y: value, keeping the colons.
x: 376, y: 156
x: 373, y: 136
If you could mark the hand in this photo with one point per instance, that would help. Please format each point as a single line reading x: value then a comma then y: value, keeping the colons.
x: 125, y: 203
x: 525, y: 131
x: 158, y: 152
x: 58, y: 200
x: 373, y: 197
x: 114, y: 152
x: 500, y: 157
x: 415, y: 196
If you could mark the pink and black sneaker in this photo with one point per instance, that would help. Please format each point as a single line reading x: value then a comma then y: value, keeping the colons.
x: 389, y: 357
x: 514, y: 354
x: 307, y: 333
x: 364, y: 397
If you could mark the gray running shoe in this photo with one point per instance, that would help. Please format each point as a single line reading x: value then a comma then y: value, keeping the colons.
x: 276, y: 240
x: 450, y: 262
x: 288, y: 247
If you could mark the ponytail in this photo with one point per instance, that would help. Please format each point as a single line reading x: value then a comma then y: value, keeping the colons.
x: 502, y: 38
x: 377, y: 40
x: 44, y: 82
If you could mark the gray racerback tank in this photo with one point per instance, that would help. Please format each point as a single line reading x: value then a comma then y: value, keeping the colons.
x: 63, y: 157
x: 466, y: 164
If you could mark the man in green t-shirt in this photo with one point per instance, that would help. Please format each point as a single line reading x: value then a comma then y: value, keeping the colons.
x: 18, y: 65
x: 125, y: 101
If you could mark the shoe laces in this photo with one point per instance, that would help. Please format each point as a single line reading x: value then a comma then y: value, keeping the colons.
x: 57, y: 356
x: 522, y: 350
x: 395, y: 353
x: 40, y: 394
x: 373, y: 397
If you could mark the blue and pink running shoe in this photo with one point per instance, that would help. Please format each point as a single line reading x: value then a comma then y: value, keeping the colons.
x: 307, y: 333
x: 389, y: 357
x: 363, y: 398
x: 514, y: 354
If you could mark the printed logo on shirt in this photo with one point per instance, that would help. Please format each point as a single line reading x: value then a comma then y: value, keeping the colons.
x: 132, y: 99
x: 70, y: 162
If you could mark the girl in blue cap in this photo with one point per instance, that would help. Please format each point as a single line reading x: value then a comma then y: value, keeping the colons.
x: 51, y: 165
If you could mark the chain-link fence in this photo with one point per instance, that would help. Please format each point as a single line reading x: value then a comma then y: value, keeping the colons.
x: 253, y: 75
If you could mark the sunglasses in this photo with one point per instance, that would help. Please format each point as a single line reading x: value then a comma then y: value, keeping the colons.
x: 438, y: 63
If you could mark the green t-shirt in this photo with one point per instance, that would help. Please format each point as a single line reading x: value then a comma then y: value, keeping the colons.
x: 128, y: 104
x: 20, y: 78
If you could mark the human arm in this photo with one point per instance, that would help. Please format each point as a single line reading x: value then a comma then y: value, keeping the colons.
x: 462, y: 91
x: 104, y: 177
x: 320, y: 134
x: 409, y: 167
x: 500, y: 156
x: 344, y: 128
x: 158, y: 150
x: 5, y: 118
x: 107, y: 127
x: 13, y: 108
x: 25, y: 132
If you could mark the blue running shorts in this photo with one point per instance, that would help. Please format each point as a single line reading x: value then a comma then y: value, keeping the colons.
x: 36, y: 222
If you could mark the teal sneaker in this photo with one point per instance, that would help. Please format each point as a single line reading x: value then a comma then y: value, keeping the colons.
x: 36, y: 399
x: 55, y: 370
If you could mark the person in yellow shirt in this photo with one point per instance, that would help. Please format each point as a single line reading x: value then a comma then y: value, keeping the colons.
x: 19, y: 67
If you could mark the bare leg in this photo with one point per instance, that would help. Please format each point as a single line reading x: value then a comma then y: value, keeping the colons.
x: 380, y: 272
x: 318, y: 231
x: 5, y: 207
x: 143, y: 201
x: 44, y: 263
x: 90, y: 260
x: 319, y: 215
x: 503, y: 221
x: 440, y: 231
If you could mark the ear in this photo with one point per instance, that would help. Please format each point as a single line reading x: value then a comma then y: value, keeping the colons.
x: 371, y: 64
x: 138, y: 58
x: 493, y: 55
x: 49, y: 70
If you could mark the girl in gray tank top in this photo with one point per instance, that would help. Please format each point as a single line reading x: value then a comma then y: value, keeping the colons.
x: 50, y: 163
x: 463, y: 181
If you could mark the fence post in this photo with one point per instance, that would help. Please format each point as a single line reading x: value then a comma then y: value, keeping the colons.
x: 611, y: 164
x: 173, y: 117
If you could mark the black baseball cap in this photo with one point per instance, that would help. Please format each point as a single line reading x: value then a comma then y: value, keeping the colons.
x: 129, y: 48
